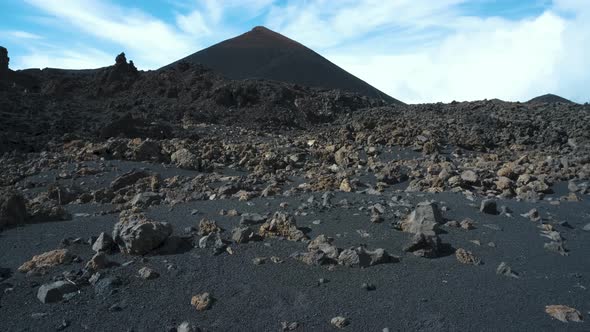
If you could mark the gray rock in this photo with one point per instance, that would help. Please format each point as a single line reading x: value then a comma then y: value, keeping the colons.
x: 424, y: 245
x: 104, y: 243
x: 489, y: 206
x: 504, y: 269
x: 137, y: 235
x: 107, y: 286
x: 55, y: 291
x: 148, y: 273
x: 469, y: 177
x: 128, y: 179
x: 587, y: 227
x: 183, y: 158
x: 324, y: 244
x: 249, y: 219
x: 242, y: 234
x: 146, y: 199
x: 426, y: 219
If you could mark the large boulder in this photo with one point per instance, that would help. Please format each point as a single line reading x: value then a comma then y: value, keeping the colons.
x: 13, y: 210
x: 425, y: 219
x: 137, y: 235
x: 55, y: 291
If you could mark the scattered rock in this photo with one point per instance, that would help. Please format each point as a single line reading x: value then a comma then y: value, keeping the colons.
x: 339, y: 322
x: 148, y: 273
x: 128, y: 179
x: 282, y: 225
x: 504, y: 269
x: 289, y: 326
x: 202, y: 302
x: 183, y: 158
x: 249, y: 219
x: 428, y: 246
x: 99, y: 261
x: 242, y: 234
x: 46, y: 260
x: 259, y: 260
x: 564, y: 313
x: 533, y: 215
x: 489, y: 206
x: 466, y: 257
x: 207, y: 227
x: 104, y: 243
x: 55, y: 291
x: 425, y: 219
x: 137, y: 235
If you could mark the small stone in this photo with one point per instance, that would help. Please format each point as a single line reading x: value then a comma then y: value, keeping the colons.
x: 148, y: 273
x: 55, y: 292
x: 469, y: 176
x: 425, y: 219
x: 259, y: 260
x: 586, y: 227
x: 368, y: 286
x: 345, y: 186
x: 99, y: 261
x: 207, y: 227
x: 467, y: 224
x: 564, y: 313
x: 242, y: 234
x: 186, y: 327
x: 488, y: 206
x: 276, y: 260
x: 289, y: 326
x: 339, y: 322
x: 504, y: 269
x: 202, y: 302
x: 466, y: 257
x: 533, y: 215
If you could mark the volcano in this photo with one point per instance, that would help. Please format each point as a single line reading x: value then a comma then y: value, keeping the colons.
x: 264, y: 54
x: 550, y: 98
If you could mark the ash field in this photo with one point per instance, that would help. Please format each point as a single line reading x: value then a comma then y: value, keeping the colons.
x: 255, y: 186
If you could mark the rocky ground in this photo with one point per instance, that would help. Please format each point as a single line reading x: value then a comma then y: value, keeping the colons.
x: 178, y: 200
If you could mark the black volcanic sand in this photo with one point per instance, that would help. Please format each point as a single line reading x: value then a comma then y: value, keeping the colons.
x: 414, y: 294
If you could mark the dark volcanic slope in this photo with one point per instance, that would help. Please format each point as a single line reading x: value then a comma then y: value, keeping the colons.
x: 550, y: 98
x: 262, y: 53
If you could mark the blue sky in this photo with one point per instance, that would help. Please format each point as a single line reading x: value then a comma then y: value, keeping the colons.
x: 415, y: 50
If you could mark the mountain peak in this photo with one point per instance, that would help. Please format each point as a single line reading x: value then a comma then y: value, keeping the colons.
x: 265, y: 54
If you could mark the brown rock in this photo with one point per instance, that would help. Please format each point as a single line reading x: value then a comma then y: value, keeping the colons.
x: 46, y: 260
x: 466, y: 257
x: 564, y: 313
x: 282, y: 225
x: 207, y: 227
x: 202, y: 302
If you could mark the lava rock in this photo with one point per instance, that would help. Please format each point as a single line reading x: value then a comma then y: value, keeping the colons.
x: 104, y: 243
x: 425, y: 219
x: 136, y: 235
x: 489, y: 206
x: 55, y: 291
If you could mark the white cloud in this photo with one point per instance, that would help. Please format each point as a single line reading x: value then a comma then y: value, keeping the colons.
x: 64, y: 59
x: 150, y: 41
x: 429, y: 52
x: 21, y: 34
